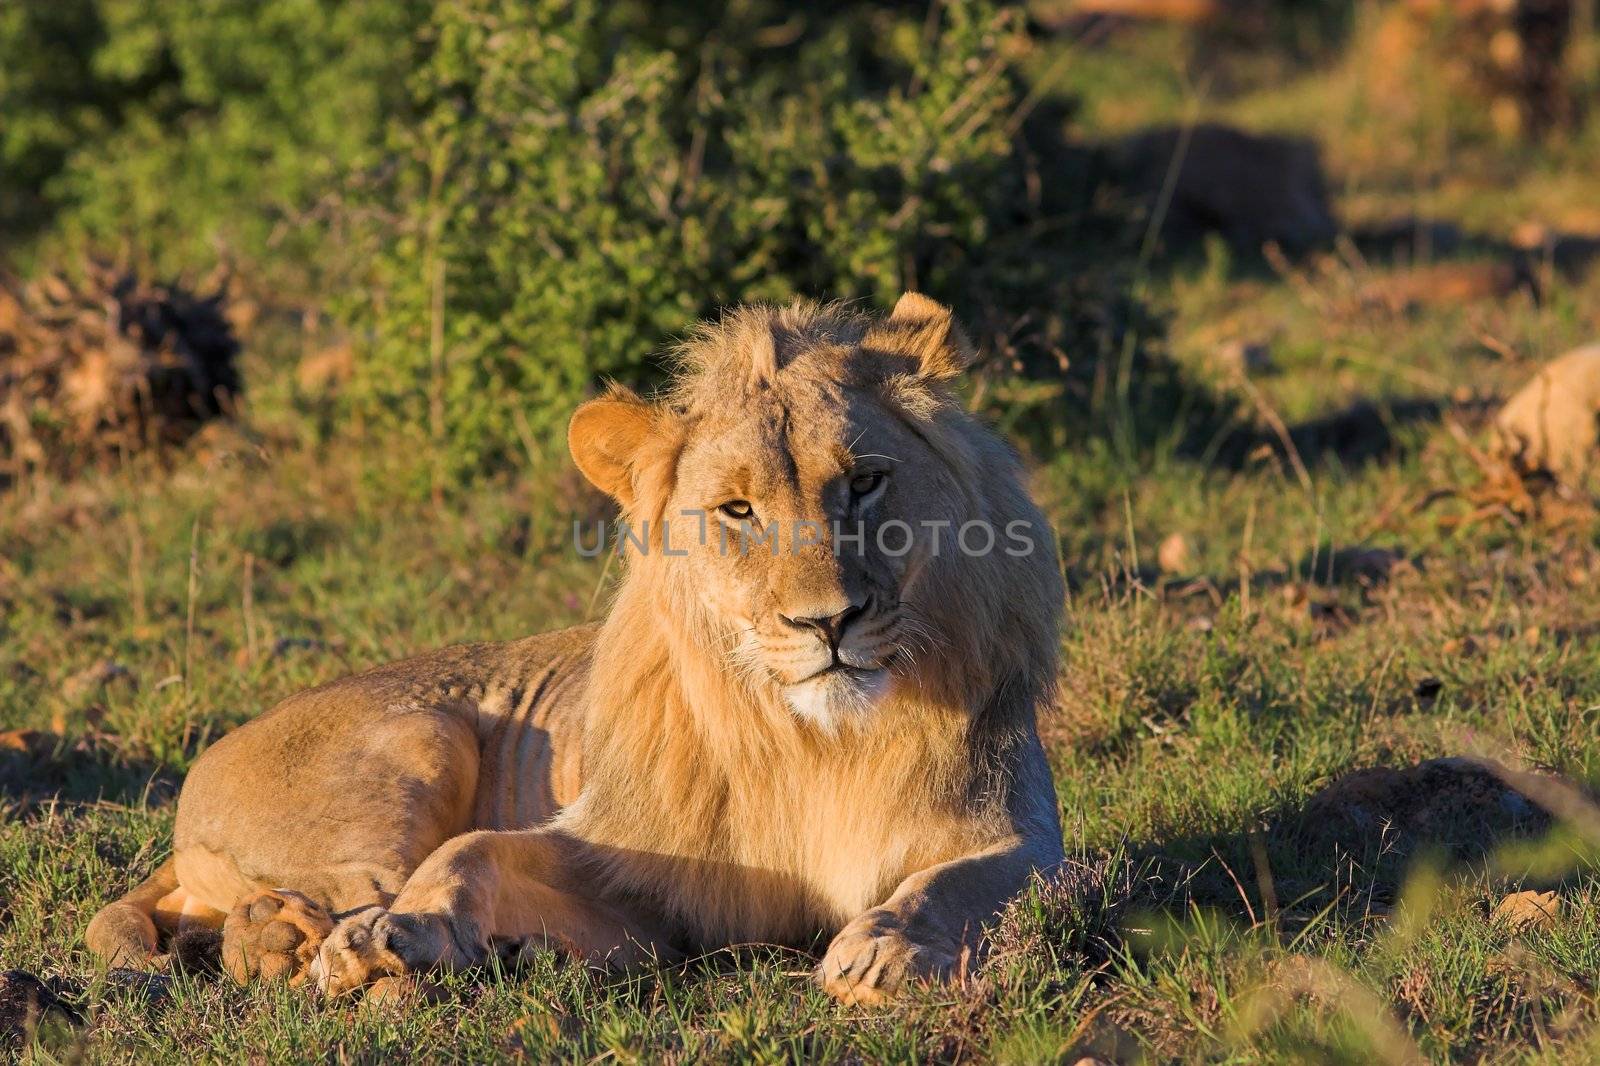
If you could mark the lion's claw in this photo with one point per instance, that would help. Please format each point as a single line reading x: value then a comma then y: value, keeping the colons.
x: 374, y: 943
x: 871, y: 960
x: 273, y: 934
x: 357, y: 954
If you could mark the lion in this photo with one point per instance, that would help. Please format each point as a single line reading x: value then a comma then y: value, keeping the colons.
x: 808, y: 718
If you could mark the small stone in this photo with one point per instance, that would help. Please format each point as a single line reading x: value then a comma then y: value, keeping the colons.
x: 1528, y: 910
x: 1243, y: 358
x: 404, y: 991
x: 88, y: 681
x: 1176, y: 555
x: 151, y: 987
x: 26, y: 741
x: 25, y: 1003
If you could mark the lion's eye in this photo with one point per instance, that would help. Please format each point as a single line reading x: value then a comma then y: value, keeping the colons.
x: 738, y: 510
x: 863, y: 484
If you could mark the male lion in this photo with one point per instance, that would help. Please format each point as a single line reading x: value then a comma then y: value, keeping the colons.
x: 811, y: 711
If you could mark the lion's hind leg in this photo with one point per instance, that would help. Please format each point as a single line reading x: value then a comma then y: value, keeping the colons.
x: 274, y: 933
x: 123, y: 932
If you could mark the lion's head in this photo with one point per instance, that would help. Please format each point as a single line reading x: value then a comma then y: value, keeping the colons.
x: 825, y: 518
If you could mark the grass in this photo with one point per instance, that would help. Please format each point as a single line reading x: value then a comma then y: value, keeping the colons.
x: 1313, y: 623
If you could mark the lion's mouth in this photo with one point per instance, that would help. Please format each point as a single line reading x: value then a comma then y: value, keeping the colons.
x: 837, y: 692
x: 839, y: 669
x: 850, y: 671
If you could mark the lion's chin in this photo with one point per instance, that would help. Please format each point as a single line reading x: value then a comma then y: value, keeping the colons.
x: 834, y: 697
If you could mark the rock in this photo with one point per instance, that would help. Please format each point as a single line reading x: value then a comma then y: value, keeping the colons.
x: 1175, y: 556
x: 89, y: 680
x: 26, y: 741
x: 1239, y: 358
x: 1527, y: 910
x: 389, y: 993
x: 25, y: 1003
x: 327, y: 369
x: 1552, y: 424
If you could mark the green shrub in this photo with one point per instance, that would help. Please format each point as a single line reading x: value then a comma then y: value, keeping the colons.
x: 512, y: 199
x: 569, y: 196
x: 50, y: 100
x: 195, y: 129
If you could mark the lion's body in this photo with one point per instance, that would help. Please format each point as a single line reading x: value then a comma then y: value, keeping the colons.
x: 684, y: 775
x: 479, y: 736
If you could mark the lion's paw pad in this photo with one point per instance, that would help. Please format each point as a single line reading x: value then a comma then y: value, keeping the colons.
x: 273, y: 934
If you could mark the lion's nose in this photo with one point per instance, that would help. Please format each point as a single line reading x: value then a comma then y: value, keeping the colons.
x: 829, y: 627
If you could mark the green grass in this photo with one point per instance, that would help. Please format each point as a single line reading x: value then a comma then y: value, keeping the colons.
x: 1200, y: 709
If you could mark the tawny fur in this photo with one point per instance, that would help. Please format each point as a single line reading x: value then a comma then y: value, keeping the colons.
x: 688, y: 774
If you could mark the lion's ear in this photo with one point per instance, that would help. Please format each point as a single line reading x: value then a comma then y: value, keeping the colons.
x: 926, y: 331
x: 606, y: 437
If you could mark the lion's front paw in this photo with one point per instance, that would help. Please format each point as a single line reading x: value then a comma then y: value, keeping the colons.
x: 273, y: 934
x: 374, y: 943
x: 872, y: 959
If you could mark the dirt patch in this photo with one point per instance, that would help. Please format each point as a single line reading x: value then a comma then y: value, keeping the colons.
x: 1448, y: 285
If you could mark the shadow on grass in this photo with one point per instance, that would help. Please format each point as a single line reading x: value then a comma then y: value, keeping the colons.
x: 1350, y: 850
x: 1366, y: 431
x: 48, y: 768
x: 1329, y: 569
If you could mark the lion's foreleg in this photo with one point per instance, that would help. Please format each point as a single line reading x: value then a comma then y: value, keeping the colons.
x: 929, y: 929
x: 480, y: 890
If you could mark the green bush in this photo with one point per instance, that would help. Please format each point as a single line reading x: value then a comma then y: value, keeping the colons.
x: 569, y: 195
x: 509, y: 200
x: 190, y: 130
